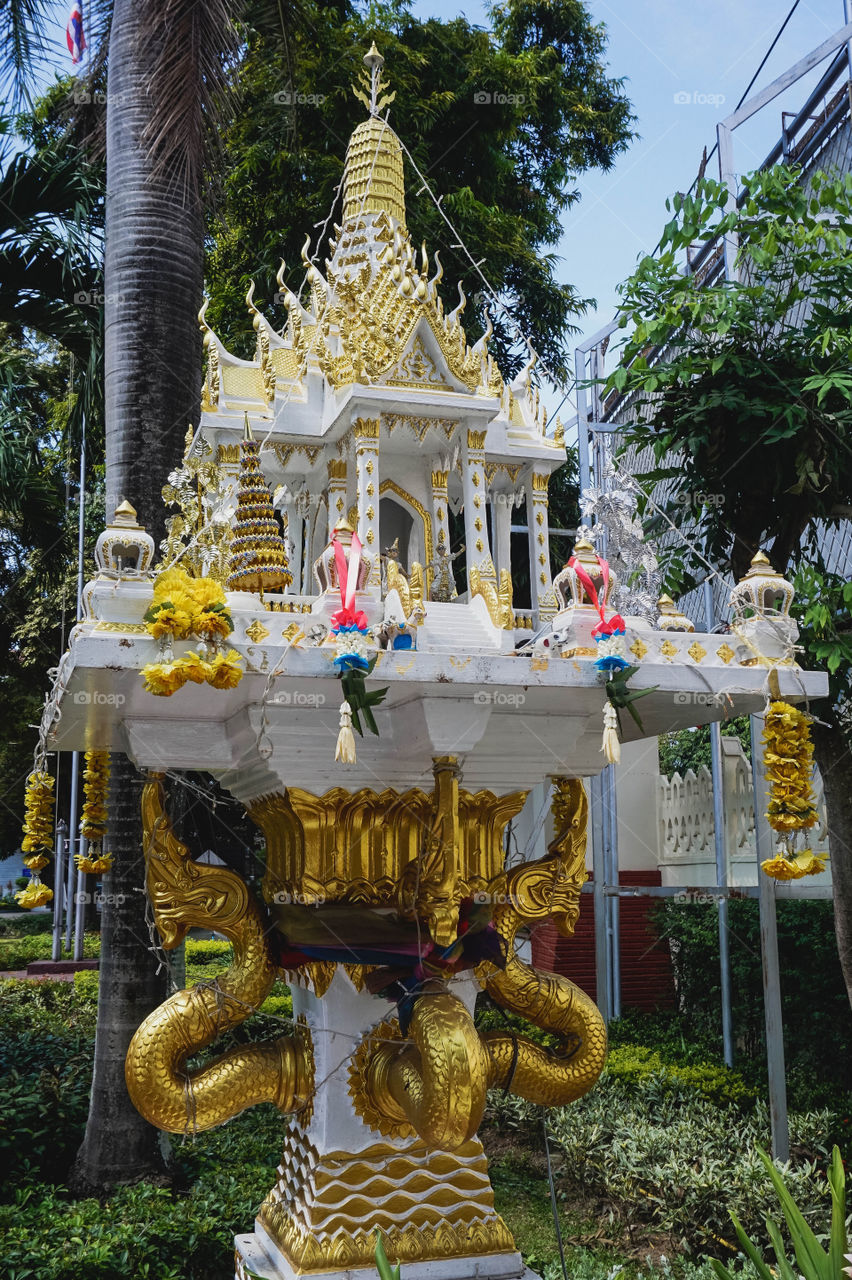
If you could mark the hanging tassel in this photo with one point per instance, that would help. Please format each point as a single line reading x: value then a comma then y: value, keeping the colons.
x: 611, y: 747
x: 345, y: 752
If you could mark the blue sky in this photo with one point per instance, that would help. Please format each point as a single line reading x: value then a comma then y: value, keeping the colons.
x: 666, y: 48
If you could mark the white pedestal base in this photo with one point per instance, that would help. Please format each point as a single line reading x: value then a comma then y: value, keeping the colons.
x: 258, y: 1253
x: 341, y: 1180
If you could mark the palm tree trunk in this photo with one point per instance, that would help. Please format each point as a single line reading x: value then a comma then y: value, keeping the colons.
x: 831, y: 749
x: 153, y: 276
x: 119, y: 1146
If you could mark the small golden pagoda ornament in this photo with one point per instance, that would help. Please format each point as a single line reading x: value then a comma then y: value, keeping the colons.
x: 670, y: 617
x: 258, y: 555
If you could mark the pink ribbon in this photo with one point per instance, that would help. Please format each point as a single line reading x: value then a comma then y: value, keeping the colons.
x: 347, y: 581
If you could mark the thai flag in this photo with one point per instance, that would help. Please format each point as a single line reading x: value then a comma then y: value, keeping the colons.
x: 74, y: 32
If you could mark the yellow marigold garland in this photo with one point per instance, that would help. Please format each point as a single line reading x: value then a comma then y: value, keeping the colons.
x: 37, y: 843
x: 93, y: 823
x: 788, y: 761
x: 184, y: 606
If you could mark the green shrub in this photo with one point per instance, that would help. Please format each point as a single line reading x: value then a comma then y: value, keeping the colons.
x: 817, y: 1016
x: 18, y: 952
x: 86, y: 985
x: 666, y: 1156
x: 279, y: 1006
x: 636, y: 1063
x: 53, y: 1007
x: 24, y: 923
x: 44, y: 1099
x: 208, y: 950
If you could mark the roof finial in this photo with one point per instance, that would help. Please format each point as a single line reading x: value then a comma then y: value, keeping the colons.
x: 372, y: 84
x: 374, y: 62
x: 247, y: 431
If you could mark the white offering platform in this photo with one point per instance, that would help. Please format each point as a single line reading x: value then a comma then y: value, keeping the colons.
x: 513, y: 718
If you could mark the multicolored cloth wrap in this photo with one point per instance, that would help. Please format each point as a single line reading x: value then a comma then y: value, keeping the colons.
x: 405, y: 957
x: 608, y: 635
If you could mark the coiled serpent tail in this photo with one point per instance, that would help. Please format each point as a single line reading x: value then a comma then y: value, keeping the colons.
x: 438, y: 1084
x: 537, y: 891
x: 186, y: 894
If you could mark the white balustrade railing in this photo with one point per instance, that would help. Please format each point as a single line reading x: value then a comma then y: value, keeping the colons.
x: 685, y: 817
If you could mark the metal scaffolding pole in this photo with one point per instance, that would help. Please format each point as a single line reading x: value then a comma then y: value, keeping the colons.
x: 719, y: 830
x: 602, y: 968
x: 58, y: 890
x: 613, y: 901
x: 769, y: 956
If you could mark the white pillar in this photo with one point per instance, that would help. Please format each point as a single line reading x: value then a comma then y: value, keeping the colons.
x: 309, y: 587
x: 475, y: 516
x: 543, y: 600
x: 336, y: 493
x: 367, y: 466
x: 501, y: 523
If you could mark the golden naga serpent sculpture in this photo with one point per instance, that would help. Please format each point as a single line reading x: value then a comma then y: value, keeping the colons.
x: 407, y: 1084
x: 436, y: 1080
x: 186, y: 894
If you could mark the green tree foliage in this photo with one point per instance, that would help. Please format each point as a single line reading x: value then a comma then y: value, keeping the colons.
x: 501, y: 122
x: 741, y: 393
x: 742, y: 388
x: 690, y: 748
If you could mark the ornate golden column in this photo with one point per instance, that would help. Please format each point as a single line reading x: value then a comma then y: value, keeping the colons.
x: 543, y: 598
x: 367, y: 464
x: 336, y: 493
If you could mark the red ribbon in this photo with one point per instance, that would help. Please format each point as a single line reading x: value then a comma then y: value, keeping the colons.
x: 616, y: 622
x: 349, y: 618
x: 347, y: 574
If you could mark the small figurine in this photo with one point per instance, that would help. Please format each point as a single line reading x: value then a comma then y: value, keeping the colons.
x: 390, y: 555
x: 443, y: 582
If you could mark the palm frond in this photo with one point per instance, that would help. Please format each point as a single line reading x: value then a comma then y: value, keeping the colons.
x: 21, y: 47
x: 191, y: 84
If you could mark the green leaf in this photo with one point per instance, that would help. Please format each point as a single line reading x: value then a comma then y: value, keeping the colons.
x: 810, y: 1257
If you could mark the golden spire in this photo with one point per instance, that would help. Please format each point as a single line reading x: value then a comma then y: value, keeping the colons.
x: 258, y: 555
x: 373, y: 174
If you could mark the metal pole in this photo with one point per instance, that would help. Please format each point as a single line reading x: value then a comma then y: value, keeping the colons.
x: 719, y: 833
x: 602, y: 977
x: 71, y: 873
x: 73, y: 840
x: 582, y: 420
x: 611, y: 807
x: 725, y: 143
x: 769, y: 955
x: 58, y: 890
